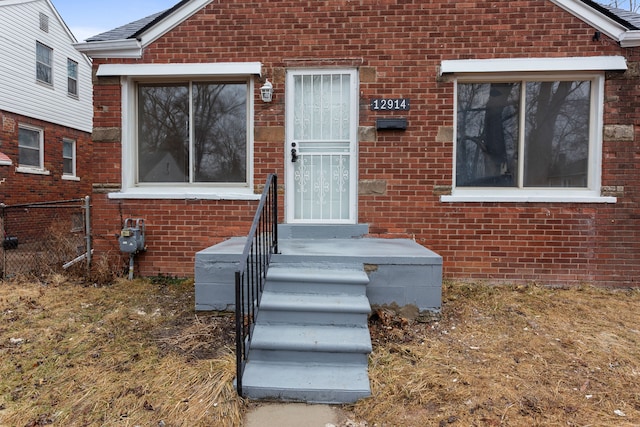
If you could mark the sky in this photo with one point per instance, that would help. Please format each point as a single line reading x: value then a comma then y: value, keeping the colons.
x: 90, y: 17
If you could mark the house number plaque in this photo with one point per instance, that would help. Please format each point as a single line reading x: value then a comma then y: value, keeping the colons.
x: 389, y: 104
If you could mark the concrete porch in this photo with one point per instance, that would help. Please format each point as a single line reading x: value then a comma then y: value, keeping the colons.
x: 311, y: 339
x: 400, y: 270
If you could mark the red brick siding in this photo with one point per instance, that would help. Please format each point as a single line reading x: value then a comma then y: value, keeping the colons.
x: 400, y: 44
x: 19, y: 188
x: 175, y: 230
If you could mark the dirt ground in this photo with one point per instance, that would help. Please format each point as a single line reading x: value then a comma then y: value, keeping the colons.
x: 135, y: 353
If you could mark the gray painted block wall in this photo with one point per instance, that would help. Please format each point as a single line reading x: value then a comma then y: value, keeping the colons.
x: 215, y: 277
x: 400, y: 271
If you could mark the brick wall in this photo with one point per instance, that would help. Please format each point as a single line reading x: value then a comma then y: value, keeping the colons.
x: 175, y: 230
x: 397, y: 47
x: 19, y: 188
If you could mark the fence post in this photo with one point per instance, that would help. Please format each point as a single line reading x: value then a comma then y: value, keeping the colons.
x: 87, y: 231
x: 4, y: 235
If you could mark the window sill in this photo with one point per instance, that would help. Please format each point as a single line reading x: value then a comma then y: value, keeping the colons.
x: 180, y: 193
x: 70, y: 178
x: 527, y: 198
x: 32, y: 170
x: 45, y: 84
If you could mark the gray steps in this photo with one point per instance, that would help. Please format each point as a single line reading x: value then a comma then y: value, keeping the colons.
x: 306, y: 382
x: 311, y: 339
x: 330, y: 309
x: 318, y: 343
x: 318, y: 279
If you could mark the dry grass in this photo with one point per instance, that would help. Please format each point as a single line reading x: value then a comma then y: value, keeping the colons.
x: 126, y: 354
x: 511, y: 356
x: 134, y: 353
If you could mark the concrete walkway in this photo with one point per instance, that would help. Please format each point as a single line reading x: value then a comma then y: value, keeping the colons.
x: 292, y: 415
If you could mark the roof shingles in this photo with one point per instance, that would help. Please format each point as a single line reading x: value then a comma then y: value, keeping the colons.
x: 126, y: 31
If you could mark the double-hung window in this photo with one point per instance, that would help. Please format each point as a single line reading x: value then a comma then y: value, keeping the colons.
x: 44, y: 61
x: 527, y: 136
x: 30, y: 149
x: 72, y: 77
x: 68, y: 158
x: 192, y: 132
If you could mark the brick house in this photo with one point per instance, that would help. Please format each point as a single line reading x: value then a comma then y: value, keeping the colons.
x: 45, y: 106
x: 502, y: 135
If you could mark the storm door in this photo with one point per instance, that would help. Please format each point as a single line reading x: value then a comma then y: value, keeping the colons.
x: 321, y: 146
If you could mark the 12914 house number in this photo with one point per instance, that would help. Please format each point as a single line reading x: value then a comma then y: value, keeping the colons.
x: 398, y: 104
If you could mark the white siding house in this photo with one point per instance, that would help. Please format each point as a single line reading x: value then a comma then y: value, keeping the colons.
x: 32, y: 32
x: 46, y: 106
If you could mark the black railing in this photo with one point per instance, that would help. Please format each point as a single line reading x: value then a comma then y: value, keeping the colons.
x: 262, y: 242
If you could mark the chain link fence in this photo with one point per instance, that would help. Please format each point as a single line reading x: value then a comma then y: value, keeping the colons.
x: 46, y: 237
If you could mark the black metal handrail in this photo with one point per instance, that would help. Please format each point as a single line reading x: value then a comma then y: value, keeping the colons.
x: 262, y: 242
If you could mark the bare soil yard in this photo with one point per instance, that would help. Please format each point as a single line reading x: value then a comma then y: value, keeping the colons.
x: 136, y: 354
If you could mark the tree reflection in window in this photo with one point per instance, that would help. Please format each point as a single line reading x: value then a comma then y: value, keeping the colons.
x: 553, y: 148
x: 192, y: 133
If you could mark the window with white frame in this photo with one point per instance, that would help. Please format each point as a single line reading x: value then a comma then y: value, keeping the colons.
x: 192, y: 133
x: 30, y: 147
x: 523, y: 133
x: 529, y: 129
x: 68, y: 157
x: 530, y: 137
x: 72, y: 77
x: 44, y: 61
x: 187, y: 130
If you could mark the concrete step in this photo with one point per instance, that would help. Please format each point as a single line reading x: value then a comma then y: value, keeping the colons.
x: 322, y: 231
x: 306, y: 309
x: 305, y: 382
x: 317, y: 279
x: 315, y: 357
x: 311, y: 338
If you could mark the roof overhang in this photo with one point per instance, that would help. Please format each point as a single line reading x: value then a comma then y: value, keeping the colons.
x: 183, y: 70
x: 630, y: 39
x: 533, y: 65
x: 127, y: 48
x: 601, y: 22
x: 133, y: 47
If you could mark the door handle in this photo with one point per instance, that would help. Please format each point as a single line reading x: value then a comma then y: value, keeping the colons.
x: 294, y: 153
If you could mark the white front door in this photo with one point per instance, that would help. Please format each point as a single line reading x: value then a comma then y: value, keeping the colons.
x: 321, y: 146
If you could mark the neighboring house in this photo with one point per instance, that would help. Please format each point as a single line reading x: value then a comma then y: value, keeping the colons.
x: 502, y: 135
x: 45, y: 106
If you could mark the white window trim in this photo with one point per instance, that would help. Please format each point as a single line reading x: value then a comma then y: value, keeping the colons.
x: 525, y: 65
x: 34, y: 171
x: 73, y: 176
x: 591, y: 194
x: 217, y: 69
x: 48, y: 84
x: 69, y: 93
x: 129, y: 188
x: 38, y: 170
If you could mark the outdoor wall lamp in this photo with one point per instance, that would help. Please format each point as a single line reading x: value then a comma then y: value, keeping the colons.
x: 266, y: 91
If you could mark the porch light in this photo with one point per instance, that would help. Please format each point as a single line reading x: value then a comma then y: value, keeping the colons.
x: 266, y: 91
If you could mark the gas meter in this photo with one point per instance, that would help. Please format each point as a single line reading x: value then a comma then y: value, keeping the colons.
x: 132, y: 236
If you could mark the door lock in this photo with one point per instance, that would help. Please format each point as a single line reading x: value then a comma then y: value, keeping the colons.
x: 294, y: 153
